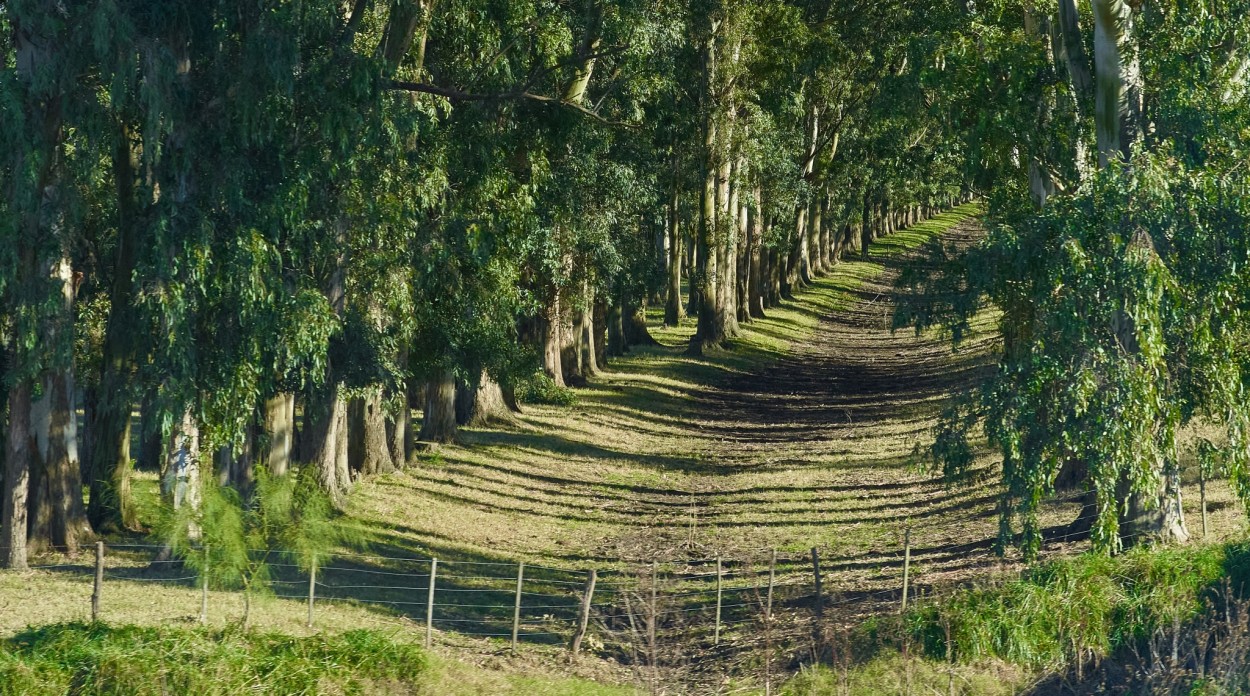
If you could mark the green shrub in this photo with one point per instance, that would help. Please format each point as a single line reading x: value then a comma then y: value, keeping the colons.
x: 541, y: 389
x: 137, y: 661
x: 1089, y: 605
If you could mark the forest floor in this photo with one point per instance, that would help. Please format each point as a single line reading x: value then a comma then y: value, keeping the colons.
x: 808, y: 433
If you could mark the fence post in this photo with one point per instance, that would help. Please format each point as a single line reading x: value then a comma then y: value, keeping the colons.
x: 204, y: 588
x: 716, y: 637
x: 583, y: 619
x: 655, y: 617
x: 516, y: 610
x: 906, y: 564
x: 429, y: 605
x: 820, y: 603
x: 768, y: 628
x: 1202, y: 494
x: 99, y: 581
x: 312, y: 590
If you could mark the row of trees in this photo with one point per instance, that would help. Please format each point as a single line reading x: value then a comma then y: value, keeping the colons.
x: 1114, y: 166
x: 225, y: 213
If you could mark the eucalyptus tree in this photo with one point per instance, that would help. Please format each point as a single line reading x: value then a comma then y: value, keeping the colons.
x: 1122, y: 297
x: 41, y: 64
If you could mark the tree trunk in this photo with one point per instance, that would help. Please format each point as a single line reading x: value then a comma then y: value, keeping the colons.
x: 636, y: 331
x: 397, y: 429
x: 674, y: 312
x: 1118, y: 87
x: 746, y: 242
x: 19, y: 451
x: 709, y: 332
x: 617, y: 345
x: 151, y: 439
x: 588, y: 359
x: 110, y: 508
x: 439, y: 419
x: 279, y: 431
x: 803, y: 242
x: 550, y: 325
x: 865, y: 229
x: 56, y: 517
x: 182, y: 483
x: 758, y: 273
x: 368, y: 449
x: 727, y: 282
x: 814, y: 235
x: 601, y: 334
x: 324, y: 441
x: 484, y: 404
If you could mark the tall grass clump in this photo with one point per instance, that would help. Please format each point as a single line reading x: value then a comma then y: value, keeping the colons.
x: 105, y: 660
x: 1073, y: 609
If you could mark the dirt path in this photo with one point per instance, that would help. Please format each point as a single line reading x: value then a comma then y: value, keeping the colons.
x: 806, y: 435
x: 819, y: 448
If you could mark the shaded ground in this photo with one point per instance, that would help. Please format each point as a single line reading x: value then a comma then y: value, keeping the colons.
x: 804, y: 435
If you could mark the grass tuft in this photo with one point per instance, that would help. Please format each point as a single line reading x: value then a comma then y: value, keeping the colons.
x: 96, y: 658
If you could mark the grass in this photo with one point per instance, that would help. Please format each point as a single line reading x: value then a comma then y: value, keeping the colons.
x: 800, y: 435
x: 97, y: 658
x: 132, y: 660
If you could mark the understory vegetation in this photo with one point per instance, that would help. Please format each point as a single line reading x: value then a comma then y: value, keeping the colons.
x: 102, y: 659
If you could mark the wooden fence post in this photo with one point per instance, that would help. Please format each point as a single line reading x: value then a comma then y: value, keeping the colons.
x: 312, y: 590
x: 820, y: 608
x: 516, y: 609
x: 429, y: 605
x: 99, y: 581
x: 583, y: 618
x: 768, y: 628
x: 716, y: 636
x: 655, y: 617
x: 1202, y: 494
x: 906, y: 564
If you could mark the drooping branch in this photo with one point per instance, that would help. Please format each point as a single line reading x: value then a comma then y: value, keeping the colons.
x: 455, y: 95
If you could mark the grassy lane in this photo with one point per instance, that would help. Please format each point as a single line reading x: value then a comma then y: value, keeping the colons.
x: 802, y: 435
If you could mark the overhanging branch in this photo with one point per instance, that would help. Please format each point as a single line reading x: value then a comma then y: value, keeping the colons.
x: 456, y: 95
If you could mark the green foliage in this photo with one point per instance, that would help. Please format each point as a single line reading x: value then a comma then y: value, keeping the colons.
x: 1123, y: 299
x: 1087, y: 606
x: 541, y: 389
x: 101, y: 659
x: 232, y: 540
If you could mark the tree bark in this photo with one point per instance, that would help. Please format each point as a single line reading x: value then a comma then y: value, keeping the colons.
x: 601, y: 333
x: 550, y: 324
x: 617, y: 345
x: 368, y: 449
x: 151, y: 439
x: 588, y: 359
x: 19, y: 451
x: 674, y: 312
x: 398, y: 427
x: 483, y: 404
x: 636, y: 331
x: 279, y: 431
x: 439, y: 419
x: 324, y: 441
x: 56, y: 516
x: 181, y: 482
x: 110, y: 508
x: 1118, y: 87
x: 758, y: 257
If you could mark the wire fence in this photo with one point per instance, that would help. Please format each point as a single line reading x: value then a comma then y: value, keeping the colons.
x: 644, y: 613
